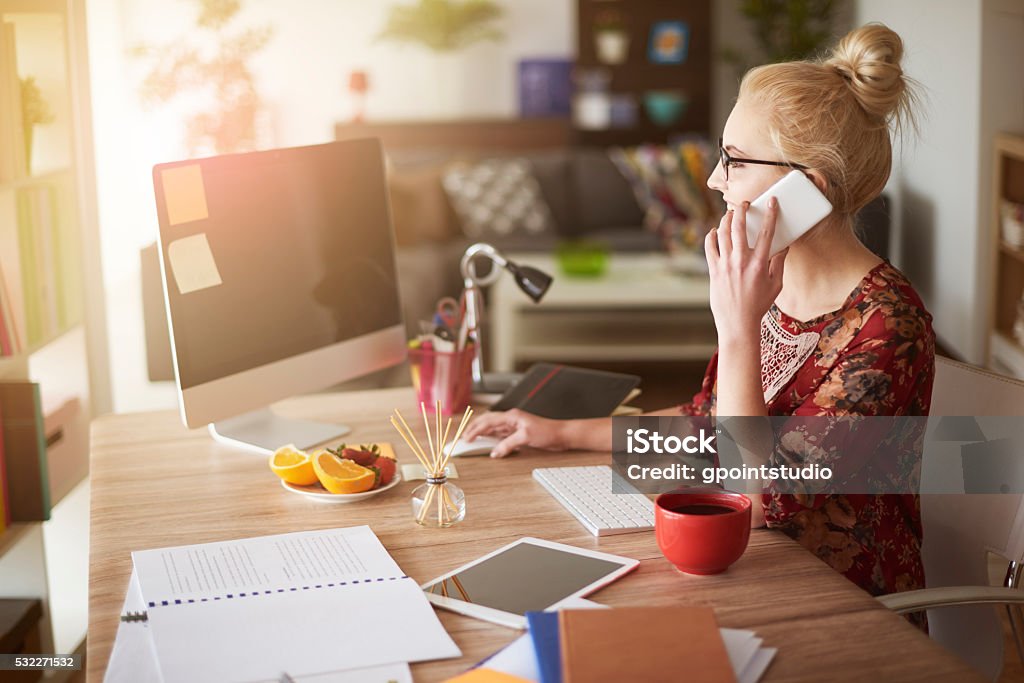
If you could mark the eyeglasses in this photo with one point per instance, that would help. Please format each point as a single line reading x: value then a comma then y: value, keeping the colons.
x: 727, y: 160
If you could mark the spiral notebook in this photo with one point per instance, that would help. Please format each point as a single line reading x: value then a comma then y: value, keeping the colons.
x: 284, y: 603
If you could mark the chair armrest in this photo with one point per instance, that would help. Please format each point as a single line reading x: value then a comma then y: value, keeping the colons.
x: 951, y: 596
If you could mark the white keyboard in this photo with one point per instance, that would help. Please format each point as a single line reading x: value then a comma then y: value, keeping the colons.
x: 586, y: 492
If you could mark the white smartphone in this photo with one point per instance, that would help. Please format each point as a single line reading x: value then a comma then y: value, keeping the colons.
x: 801, y: 207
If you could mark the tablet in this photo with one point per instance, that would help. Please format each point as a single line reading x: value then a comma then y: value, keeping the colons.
x: 525, y: 576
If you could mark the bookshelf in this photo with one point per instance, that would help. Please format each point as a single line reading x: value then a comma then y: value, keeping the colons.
x: 1006, y: 349
x: 52, y: 327
x: 637, y: 75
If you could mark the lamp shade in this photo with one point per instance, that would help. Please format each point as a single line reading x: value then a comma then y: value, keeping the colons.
x: 532, y: 281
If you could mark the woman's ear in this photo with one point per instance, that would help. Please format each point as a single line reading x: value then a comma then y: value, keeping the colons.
x: 819, y: 181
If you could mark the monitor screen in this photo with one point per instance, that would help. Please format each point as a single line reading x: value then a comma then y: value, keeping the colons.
x: 271, y: 255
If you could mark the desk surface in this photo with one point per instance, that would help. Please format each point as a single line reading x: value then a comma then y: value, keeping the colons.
x: 156, y: 484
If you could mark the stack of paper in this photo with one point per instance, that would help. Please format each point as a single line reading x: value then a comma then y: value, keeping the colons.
x: 320, y: 606
x: 536, y: 656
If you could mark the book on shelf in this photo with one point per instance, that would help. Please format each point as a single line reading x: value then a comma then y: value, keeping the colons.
x: 8, y: 337
x: 47, y: 261
x: 12, y: 136
x: 5, y: 508
x: 22, y: 431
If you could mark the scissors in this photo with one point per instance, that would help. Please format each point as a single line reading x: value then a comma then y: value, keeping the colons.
x: 450, y: 312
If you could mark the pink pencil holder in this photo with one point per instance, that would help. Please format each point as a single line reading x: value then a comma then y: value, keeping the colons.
x: 442, y: 376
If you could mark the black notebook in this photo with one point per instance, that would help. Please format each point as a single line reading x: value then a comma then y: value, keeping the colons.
x: 563, y: 392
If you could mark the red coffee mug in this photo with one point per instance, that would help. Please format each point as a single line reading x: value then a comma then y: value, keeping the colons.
x: 702, y: 531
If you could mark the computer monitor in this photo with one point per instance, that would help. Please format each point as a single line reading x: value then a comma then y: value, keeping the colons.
x: 279, y: 279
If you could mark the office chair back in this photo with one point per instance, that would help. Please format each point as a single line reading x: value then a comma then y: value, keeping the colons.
x: 959, y: 530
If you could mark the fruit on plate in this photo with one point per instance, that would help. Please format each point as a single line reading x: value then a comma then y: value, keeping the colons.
x: 293, y: 465
x: 385, y: 470
x: 379, y: 457
x: 356, y: 455
x: 339, y: 475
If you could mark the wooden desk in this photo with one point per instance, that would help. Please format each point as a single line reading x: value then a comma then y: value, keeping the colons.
x: 155, y: 484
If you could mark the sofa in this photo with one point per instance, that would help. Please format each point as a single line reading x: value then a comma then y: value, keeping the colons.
x: 587, y: 197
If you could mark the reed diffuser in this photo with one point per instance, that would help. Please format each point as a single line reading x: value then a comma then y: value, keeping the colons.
x: 438, y: 502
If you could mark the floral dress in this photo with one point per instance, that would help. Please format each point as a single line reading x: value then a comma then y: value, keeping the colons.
x: 874, y: 356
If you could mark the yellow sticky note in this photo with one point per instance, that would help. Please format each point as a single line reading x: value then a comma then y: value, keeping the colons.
x: 192, y: 264
x: 184, y: 194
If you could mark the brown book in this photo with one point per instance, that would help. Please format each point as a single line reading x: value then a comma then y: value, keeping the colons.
x: 650, y: 644
x: 28, y: 485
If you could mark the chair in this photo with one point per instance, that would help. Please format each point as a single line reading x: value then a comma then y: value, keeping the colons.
x: 960, y: 531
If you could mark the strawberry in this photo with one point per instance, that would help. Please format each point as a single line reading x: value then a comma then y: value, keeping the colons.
x: 361, y: 456
x: 386, y: 470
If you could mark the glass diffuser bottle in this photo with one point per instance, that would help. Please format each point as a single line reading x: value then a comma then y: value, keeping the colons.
x: 438, y: 503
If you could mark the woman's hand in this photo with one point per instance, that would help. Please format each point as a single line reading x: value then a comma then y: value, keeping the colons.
x: 517, y: 428
x: 744, y: 280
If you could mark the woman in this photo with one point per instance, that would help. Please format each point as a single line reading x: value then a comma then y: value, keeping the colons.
x: 875, y: 347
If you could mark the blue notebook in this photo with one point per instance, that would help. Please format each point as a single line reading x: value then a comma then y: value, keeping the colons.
x: 544, y: 633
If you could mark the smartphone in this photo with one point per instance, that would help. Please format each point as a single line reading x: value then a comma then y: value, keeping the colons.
x: 801, y: 207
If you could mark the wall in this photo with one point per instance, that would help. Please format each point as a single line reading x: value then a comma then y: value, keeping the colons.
x: 966, y: 55
x: 302, y: 76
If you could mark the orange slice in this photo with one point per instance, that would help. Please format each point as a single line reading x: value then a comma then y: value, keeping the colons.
x: 293, y: 465
x: 341, y: 476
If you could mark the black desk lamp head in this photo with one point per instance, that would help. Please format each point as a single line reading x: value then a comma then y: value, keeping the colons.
x: 532, y: 281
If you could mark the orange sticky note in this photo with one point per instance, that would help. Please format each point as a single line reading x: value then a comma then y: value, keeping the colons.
x: 184, y: 194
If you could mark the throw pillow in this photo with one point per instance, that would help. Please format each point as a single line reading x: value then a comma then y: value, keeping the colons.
x: 498, y: 198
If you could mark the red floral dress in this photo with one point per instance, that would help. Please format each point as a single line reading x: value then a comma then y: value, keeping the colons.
x: 875, y: 356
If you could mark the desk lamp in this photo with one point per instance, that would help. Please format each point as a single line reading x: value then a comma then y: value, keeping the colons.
x: 531, y: 280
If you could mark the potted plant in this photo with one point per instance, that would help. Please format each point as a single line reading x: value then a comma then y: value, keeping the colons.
x: 228, y: 121
x: 35, y: 111
x: 611, y: 37
x: 445, y: 27
x: 784, y: 30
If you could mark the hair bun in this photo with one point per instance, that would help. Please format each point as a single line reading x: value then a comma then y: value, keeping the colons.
x: 868, y: 59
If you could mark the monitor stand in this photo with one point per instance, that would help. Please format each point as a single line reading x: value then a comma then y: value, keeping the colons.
x: 264, y: 432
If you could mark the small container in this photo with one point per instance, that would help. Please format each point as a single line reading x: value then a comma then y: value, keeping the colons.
x: 438, y: 503
x: 611, y: 46
x: 1013, y: 223
x: 583, y: 259
x: 665, y: 107
x: 442, y: 376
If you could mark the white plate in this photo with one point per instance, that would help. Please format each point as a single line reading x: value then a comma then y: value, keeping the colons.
x: 321, y: 495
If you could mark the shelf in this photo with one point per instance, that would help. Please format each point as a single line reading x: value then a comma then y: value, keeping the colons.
x: 29, y: 181
x: 14, y: 533
x: 1012, y: 251
x: 608, y: 353
x: 16, y: 366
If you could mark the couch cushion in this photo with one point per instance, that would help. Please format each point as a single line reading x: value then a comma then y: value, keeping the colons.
x: 419, y: 206
x: 551, y: 169
x: 496, y: 198
x: 602, y: 196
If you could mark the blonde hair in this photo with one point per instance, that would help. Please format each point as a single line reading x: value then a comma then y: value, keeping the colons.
x: 834, y: 114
